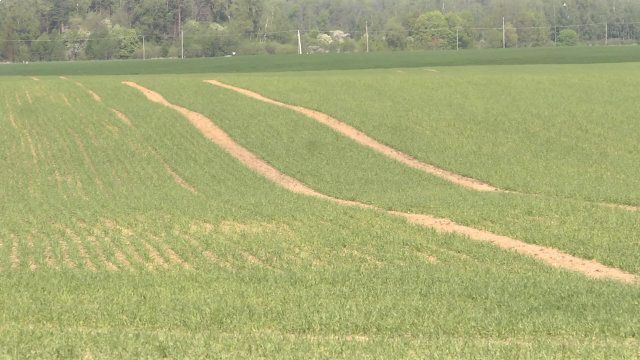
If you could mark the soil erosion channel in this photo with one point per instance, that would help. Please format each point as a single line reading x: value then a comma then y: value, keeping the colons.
x: 548, y: 255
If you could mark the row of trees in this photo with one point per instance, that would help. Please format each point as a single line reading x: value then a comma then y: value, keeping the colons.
x: 53, y: 30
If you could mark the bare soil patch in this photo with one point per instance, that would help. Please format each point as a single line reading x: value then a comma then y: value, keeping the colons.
x: 14, y: 257
x: 81, y: 249
x: 95, y: 96
x: 547, y: 255
x: 35, y: 78
x: 428, y: 258
x: 173, y: 257
x: 122, y: 117
x: 65, y: 254
x: 364, y: 139
x: 209, y: 255
x: 28, y: 96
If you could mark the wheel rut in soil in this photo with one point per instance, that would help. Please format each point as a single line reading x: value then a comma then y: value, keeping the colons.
x: 406, y: 159
x: 547, y: 255
x: 364, y: 139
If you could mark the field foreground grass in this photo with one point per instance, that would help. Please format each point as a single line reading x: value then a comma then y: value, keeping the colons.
x: 133, y: 235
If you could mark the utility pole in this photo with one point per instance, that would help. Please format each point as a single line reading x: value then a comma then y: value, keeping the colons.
x: 606, y: 33
x: 144, y: 55
x: 299, y: 44
x: 504, y: 44
x: 182, y: 42
x: 457, y: 38
x: 366, y: 27
x: 555, y: 24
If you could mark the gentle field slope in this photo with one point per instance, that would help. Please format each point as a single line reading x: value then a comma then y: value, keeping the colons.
x: 127, y: 233
x: 568, y: 131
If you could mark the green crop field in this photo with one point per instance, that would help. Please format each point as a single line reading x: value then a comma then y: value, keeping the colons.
x: 127, y: 233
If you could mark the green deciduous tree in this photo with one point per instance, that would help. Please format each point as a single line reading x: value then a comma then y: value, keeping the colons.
x: 432, y: 32
x: 567, y: 37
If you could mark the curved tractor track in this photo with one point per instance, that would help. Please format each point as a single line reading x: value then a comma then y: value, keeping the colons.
x: 364, y: 139
x: 547, y: 255
x: 406, y: 159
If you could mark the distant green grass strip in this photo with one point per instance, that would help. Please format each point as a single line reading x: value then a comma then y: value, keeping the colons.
x: 354, y: 61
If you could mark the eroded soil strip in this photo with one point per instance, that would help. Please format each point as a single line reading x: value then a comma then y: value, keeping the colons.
x: 364, y: 139
x: 547, y: 255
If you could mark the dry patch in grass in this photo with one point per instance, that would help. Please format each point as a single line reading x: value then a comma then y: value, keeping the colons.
x: 209, y: 255
x: 28, y: 96
x: 95, y: 96
x: 64, y: 247
x: 32, y: 262
x: 33, y: 149
x: 173, y: 257
x: 14, y: 257
x: 547, y: 255
x: 122, y: 259
x: 122, y: 117
x: 368, y: 258
x: 81, y: 249
x: 127, y: 233
x: 428, y: 258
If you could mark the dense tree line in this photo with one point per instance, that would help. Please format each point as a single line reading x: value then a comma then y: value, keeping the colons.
x: 54, y: 30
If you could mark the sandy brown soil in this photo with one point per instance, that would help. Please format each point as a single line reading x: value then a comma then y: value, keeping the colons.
x: 364, y: 139
x: 547, y: 255
x: 28, y: 96
x: 14, y: 257
x: 65, y: 254
x: 122, y: 117
x: 95, y: 96
x: 35, y: 78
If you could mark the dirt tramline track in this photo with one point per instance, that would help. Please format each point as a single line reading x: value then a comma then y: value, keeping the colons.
x: 364, y: 139
x: 547, y: 255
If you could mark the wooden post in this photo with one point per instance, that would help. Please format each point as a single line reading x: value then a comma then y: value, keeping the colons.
x: 366, y: 26
x: 299, y: 44
x: 144, y: 56
x: 182, y: 42
x: 606, y: 34
x: 457, y: 38
x: 504, y: 44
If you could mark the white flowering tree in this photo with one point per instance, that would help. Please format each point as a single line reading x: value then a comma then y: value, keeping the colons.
x: 325, y: 39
